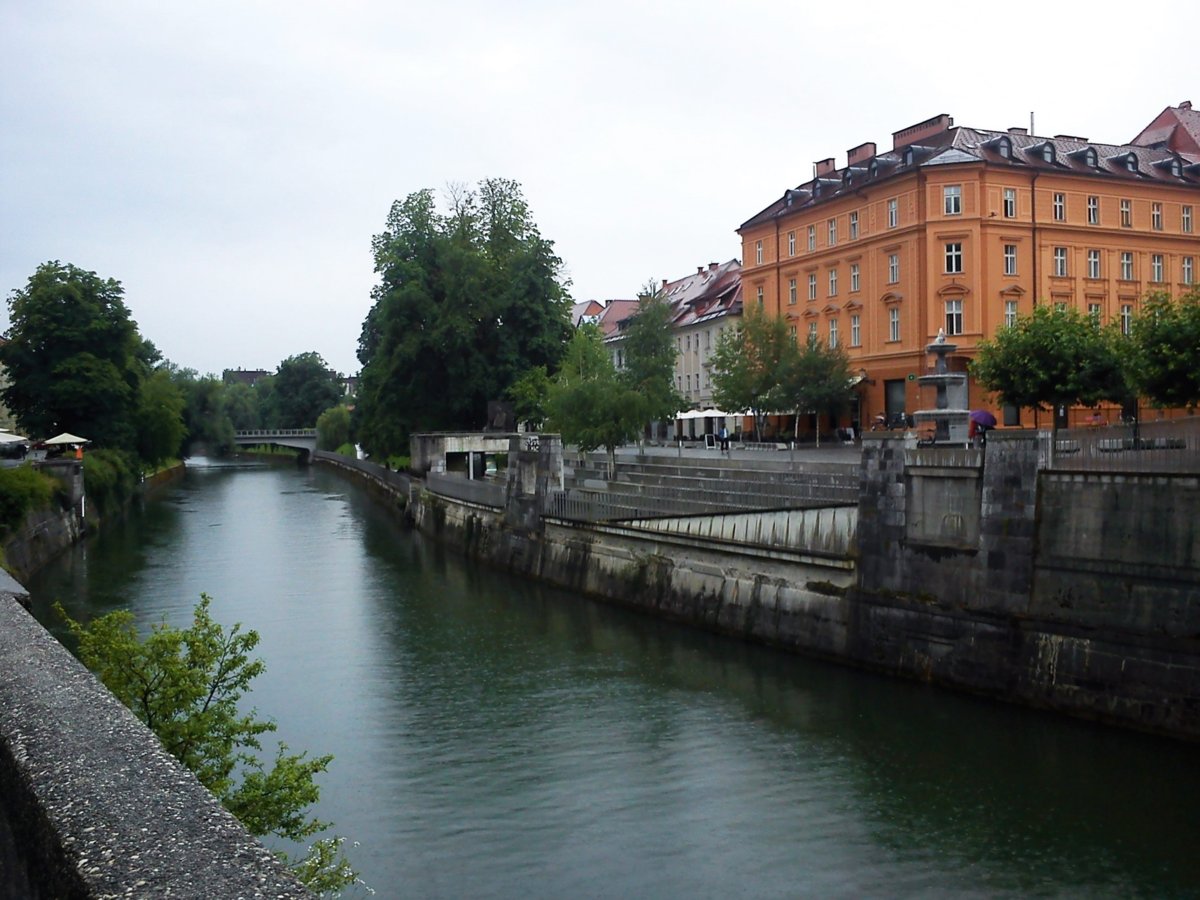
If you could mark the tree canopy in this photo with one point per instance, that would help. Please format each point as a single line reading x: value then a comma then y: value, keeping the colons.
x: 816, y: 379
x: 1164, y: 350
x: 466, y: 303
x: 302, y: 388
x: 749, y: 366
x: 1056, y: 356
x: 649, y: 353
x: 74, y: 358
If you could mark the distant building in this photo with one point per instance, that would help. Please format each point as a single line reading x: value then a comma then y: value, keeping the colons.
x: 248, y: 377
x: 962, y: 229
x: 586, y: 311
x: 703, y: 305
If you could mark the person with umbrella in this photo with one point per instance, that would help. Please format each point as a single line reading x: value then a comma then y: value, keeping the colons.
x: 980, y: 422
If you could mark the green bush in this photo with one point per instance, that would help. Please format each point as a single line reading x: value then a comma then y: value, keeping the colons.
x: 109, y: 479
x: 22, y: 490
x: 347, y: 450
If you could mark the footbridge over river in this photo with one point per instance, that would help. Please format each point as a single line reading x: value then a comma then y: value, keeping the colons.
x: 303, y: 439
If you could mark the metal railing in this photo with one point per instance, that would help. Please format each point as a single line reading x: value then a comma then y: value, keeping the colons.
x: 277, y: 432
x: 402, y: 481
x: 1165, y: 445
x: 459, y: 487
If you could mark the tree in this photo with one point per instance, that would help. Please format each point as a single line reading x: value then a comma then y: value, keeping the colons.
x: 74, y: 358
x: 1054, y: 357
x: 333, y: 428
x: 1163, y: 361
x: 304, y: 387
x: 588, y: 404
x: 649, y: 350
x: 159, y: 419
x: 241, y: 405
x: 816, y: 379
x: 466, y: 303
x: 185, y: 684
x: 205, y: 413
x: 529, y: 394
x: 749, y: 366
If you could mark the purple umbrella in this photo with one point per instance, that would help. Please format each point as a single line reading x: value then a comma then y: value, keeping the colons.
x: 983, y: 417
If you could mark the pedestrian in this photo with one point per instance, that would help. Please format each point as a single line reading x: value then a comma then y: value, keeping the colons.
x: 724, y: 435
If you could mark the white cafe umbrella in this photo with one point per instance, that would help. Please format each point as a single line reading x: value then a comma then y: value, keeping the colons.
x: 8, y: 438
x: 65, y: 438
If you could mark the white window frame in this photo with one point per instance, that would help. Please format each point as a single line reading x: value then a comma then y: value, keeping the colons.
x: 1010, y: 259
x: 1127, y: 265
x: 1093, y: 210
x: 833, y: 282
x: 1185, y: 219
x: 791, y: 243
x: 812, y: 285
x: 759, y: 296
x: 952, y: 199
x: 855, y: 330
x: 1156, y: 216
x: 854, y: 225
x: 1010, y: 313
x: 812, y: 331
x: 894, y: 323
x: 812, y: 237
x: 954, y: 258
x: 1010, y: 203
x: 1060, y: 207
x: 1187, y: 270
x: 833, y: 333
x: 893, y: 268
x: 1157, y: 268
x: 1093, y: 263
x: 855, y: 273
x: 758, y: 253
x: 1061, y: 268
x: 793, y: 294
x: 893, y: 212
x: 832, y: 232
x: 954, y: 316
x: 1126, y: 213
x: 1126, y: 318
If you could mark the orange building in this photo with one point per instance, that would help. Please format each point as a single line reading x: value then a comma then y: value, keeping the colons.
x: 963, y: 229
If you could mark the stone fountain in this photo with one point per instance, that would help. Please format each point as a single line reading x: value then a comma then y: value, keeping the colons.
x: 950, y: 417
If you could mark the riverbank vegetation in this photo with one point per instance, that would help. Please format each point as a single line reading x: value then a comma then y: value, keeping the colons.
x: 22, y: 491
x: 186, y: 685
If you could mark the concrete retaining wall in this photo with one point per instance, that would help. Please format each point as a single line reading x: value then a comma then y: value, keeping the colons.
x: 91, y: 805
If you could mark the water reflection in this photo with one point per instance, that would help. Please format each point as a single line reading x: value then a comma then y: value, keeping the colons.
x: 494, y: 738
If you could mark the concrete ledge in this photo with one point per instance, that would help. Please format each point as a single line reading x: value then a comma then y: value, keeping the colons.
x: 94, y: 806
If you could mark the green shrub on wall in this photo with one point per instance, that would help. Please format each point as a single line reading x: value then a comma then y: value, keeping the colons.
x: 22, y: 490
x: 109, y: 479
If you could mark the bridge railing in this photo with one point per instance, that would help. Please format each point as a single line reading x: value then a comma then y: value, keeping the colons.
x: 267, y: 433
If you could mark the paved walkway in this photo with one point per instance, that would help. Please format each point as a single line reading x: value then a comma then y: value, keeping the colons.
x: 831, y: 452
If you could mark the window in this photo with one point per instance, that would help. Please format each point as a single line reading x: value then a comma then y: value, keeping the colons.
x: 1126, y: 213
x: 1010, y: 259
x: 854, y: 226
x: 1010, y: 203
x: 1126, y: 266
x: 792, y: 333
x: 952, y: 199
x: 812, y: 331
x: 1060, y: 261
x: 759, y: 297
x: 812, y: 237
x: 893, y: 213
x: 833, y: 282
x: 894, y: 268
x: 1060, y: 207
x: 853, y: 277
x: 954, y: 258
x: 1094, y: 312
x: 1156, y: 216
x: 758, y: 252
x: 791, y: 243
x: 1093, y: 264
x: 833, y: 333
x: 1185, y: 220
x: 812, y: 285
x: 791, y: 290
x: 832, y: 232
x: 1156, y: 267
x: 1186, y: 271
x: 687, y: 343
x: 1093, y: 210
x: 1048, y: 153
x: 954, y: 316
x: 894, y: 324
x: 1010, y: 313
x: 855, y: 331
x: 1126, y: 318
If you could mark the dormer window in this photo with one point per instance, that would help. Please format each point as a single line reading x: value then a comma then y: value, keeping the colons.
x: 1047, y: 151
x: 1090, y: 159
x: 847, y: 177
x: 873, y: 169
x: 1004, y: 147
x: 1131, y: 162
x: 908, y: 156
x: 1174, y: 166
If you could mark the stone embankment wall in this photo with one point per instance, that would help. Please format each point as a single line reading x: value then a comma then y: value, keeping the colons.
x: 1073, y: 592
x: 91, y: 805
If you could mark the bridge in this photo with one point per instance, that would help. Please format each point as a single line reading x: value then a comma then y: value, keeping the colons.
x: 302, y: 439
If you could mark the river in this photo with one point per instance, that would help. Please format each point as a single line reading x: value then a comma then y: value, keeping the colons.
x: 496, y: 738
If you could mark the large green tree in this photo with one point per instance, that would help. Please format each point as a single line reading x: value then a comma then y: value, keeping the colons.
x: 588, y: 404
x: 74, y: 359
x: 204, y: 413
x: 749, y: 366
x: 816, y: 379
x: 466, y: 302
x: 186, y: 686
x: 1054, y: 357
x: 303, y: 388
x: 1163, y: 355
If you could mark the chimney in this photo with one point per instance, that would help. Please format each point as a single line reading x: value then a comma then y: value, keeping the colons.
x: 1018, y: 131
x: 823, y: 167
x: 859, y: 153
x: 1186, y: 104
x: 921, y: 130
x: 712, y: 266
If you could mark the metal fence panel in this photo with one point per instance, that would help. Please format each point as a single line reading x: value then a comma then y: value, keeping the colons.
x: 1166, y: 445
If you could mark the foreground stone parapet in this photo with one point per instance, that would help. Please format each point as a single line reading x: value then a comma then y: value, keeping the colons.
x: 91, y: 805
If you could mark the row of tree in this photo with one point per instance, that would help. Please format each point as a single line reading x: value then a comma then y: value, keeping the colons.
x: 1059, y: 356
x: 75, y: 361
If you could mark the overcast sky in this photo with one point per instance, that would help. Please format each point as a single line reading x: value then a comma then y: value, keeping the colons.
x: 228, y: 162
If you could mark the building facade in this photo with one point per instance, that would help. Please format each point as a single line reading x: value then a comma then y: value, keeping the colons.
x: 961, y: 230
